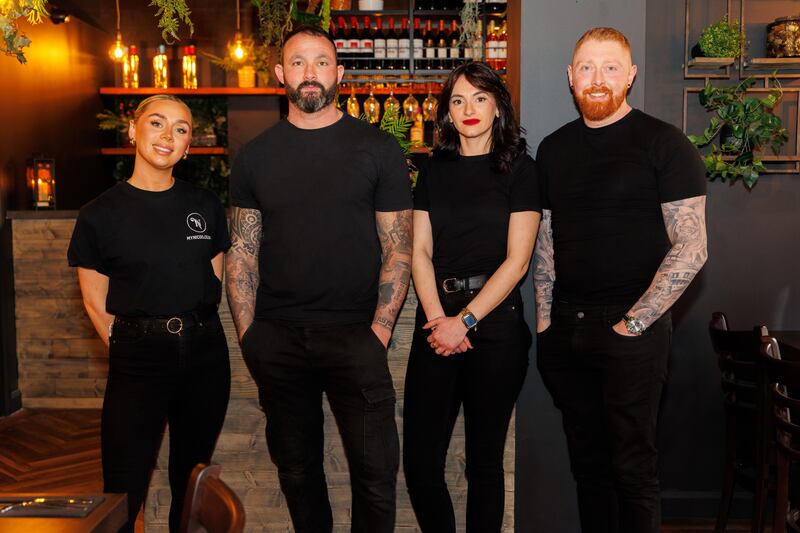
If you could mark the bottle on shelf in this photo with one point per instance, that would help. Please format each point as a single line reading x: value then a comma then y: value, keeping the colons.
x: 455, y: 51
x: 378, y: 45
x: 418, y: 45
x: 441, y: 49
x: 491, y: 45
x: 340, y: 40
x: 477, y: 44
x: 430, y: 45
x: 160, y: 68
x: 502, y: 47
x: 189, y: 67
x: 392, y: 45
x: 417, y: 132
x: 366, y: 45
x: 353, y: 44
x: 404, y: 46
x: 130, y: 68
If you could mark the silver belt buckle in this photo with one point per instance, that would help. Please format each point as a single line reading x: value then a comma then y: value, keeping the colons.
x: 444, y: 285
x: 175, y: 330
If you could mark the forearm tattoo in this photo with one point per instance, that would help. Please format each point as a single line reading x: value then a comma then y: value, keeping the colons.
x: 544, y: 268
x: 241, y: 265
x: 395, y: 235
x: 685, y: 221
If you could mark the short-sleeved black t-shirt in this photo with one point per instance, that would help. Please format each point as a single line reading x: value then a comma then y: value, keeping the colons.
x: 318, y: 191
x: 605, y: 187
x: 155, y: 247
x: 469, y: 205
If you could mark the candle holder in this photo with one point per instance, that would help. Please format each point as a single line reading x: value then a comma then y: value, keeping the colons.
x: 41, y: 174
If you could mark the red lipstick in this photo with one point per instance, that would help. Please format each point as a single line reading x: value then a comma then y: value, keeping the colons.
x: 471, y: 121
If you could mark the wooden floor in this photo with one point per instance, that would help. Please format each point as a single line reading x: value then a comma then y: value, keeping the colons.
x: 59, y: 450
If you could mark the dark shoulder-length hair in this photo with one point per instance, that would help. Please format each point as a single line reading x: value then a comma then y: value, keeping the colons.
x: 507, y: 141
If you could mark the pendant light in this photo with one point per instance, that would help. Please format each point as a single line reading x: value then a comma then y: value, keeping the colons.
x: 236, y: 48
x: 117, y: 51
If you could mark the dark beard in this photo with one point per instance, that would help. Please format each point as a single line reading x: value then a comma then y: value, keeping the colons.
x: 597, y: 111
x: 311, y: 102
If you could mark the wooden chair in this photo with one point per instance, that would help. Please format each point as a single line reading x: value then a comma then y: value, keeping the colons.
x: 745, y: 452
x: 211, y: 506
x: 783, y: 374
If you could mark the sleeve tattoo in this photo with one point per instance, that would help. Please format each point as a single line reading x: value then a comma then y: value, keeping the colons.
x: 544, y: 269
x: 685, y: 222
x: 241, y: 266
x: 395, y: 235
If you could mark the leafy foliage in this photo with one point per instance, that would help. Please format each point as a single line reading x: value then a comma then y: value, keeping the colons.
x: 722, y: 39
x: 750, y: 125
x: 12, y: 41
x: 470, y: 15
x: 172, y: 12
x: 256, y: 56
x: 273, y: 20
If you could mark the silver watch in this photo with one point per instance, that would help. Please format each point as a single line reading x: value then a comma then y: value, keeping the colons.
x: 633, y: 325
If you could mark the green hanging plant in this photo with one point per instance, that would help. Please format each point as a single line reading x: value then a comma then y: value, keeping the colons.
x: 745, y: 125
x: 172, y: 12
x: 273, y: 20
x: 13, y: 41
x: 470, y: 15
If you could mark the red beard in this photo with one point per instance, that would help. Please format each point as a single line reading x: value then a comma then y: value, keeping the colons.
x: 597, y: 111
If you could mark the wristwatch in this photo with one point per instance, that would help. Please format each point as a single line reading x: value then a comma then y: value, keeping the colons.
x: 469, y: 319
x: 633, y: 325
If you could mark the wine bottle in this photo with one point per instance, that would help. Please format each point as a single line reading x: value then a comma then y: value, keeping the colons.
x: 392, y: 45
x: 502, y: 47
x: 379, y: 45
x: 441, y: 49
x: 430, y: 46
x: 491, y: 45
x: 365, y: 45
x: 455, y: 53
x: 418, y: 45
x: 354, y: 44
x: 404, y: 46
x: 341, y: 42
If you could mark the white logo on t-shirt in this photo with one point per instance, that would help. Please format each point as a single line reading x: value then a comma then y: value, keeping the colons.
x: 196, y: 222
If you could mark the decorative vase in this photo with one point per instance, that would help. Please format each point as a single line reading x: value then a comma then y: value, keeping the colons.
x: 247, y: 77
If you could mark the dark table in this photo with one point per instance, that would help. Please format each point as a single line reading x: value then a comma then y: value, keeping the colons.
x: 792, y: 338
x: 107, y: 517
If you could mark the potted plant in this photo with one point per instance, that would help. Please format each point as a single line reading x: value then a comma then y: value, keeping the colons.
x: 721, y: 39
x: 12, y: 41
x: 745, y: 125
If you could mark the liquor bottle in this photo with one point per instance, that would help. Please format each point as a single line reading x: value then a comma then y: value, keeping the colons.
x: 441, y: 49
x: 366, y: 46
x: 341, y: 42
x: 417, y: 133
x: 417, y: 45
x: 130, y: 69
x: 392, y: 44
x: 354, y: 44
x: 502, y: 47
x: 160, y: 68
x: 378, y: 44
x: 189, y: 67
x: 455, y: 36
x: 430, y: 46
x: 491, y: 45
x: 477, y: 44
x: 404, y: 46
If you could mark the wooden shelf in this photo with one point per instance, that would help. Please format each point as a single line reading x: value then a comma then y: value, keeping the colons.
x: 202, y: 91
x: 193, y: 150
x: 711, y: 62
x: 772, y: 62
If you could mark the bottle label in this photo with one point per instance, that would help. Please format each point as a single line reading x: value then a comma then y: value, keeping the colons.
x: 380, y: 53
x: 353, y: 45
x: 441, y: 53
x: 391, y: 43
x: 404, y: 53
x: 392, y: 53
x: 341, y: 44
x: 365, y: 45
x: 430, y: 52
x: 454, y: 52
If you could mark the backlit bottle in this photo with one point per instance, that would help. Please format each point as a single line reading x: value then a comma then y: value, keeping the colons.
x: 160, y: 68
x: 130, y: 69
x: 189, y: 67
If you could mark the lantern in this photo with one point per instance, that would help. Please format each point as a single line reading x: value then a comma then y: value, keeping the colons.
x: 41, y: 173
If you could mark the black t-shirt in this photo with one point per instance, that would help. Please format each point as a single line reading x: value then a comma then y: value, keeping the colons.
x: 155, y: 247
x: 469, y: 206
x: 318, y: 191
x: 605, y: 187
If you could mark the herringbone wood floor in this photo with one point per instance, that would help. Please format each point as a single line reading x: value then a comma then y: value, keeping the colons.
x: 59, y: 450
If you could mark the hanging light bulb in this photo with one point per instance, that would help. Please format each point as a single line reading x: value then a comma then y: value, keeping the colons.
x: 236, y: 48
x: 117, y: 52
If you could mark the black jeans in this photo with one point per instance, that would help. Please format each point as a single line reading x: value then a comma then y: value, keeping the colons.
x: 293, y: 365
x: 155, y: 378
x: 487, y: 381
x: 608, y: 389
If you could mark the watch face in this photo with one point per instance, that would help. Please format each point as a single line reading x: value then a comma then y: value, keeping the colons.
x: 634, y: 325
x: 469, y: 320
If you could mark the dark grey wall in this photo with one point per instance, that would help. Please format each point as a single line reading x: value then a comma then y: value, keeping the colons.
x: 751, y: 273
x: 545, y: 496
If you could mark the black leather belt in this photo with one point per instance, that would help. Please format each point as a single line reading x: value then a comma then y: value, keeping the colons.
x: 451, y: 285
x: 174, y: 324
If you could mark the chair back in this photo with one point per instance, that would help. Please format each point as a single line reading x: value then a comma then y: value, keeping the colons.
x: 211, y: 506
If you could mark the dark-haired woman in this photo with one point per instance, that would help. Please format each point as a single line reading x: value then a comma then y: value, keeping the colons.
x: 476, y: 214
x: 149, y: 254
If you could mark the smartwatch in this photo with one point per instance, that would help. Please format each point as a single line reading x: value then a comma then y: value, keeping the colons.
x: 469, y: 319
x: 633, y: 325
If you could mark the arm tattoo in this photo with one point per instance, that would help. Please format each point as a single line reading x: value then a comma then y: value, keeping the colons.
x: 395, y: 235
x: 685, y: 221
x: 544, y: 268
x: 241, y: 265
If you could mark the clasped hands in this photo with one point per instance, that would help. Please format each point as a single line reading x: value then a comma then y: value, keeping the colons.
x: 448, y: 335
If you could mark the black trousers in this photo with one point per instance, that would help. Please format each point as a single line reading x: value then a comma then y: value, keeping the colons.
x: 293, y: 365
x: 155, y: 378
x: 608, y: 387
x: 486, y: 381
